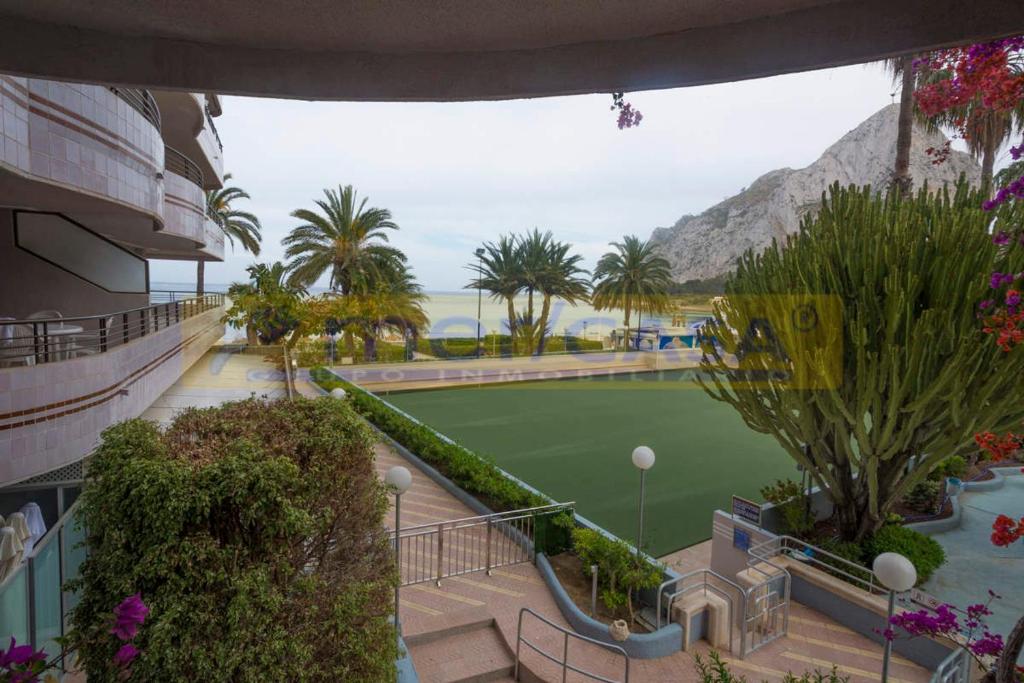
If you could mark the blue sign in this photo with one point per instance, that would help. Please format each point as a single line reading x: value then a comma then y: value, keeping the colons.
x: 740, y: 538
x: 746, y: 509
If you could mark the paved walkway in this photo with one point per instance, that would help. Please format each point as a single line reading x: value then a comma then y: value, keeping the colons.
x: 814, y: 640
x: 220, y: 375
x: 384, y: 377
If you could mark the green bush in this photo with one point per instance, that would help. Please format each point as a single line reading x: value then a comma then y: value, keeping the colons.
x: 714, y: 670
x: 923, y: 551
x: 788, y: 496
x: 253, y: 532
x: 619, y: 575
x: 924, y: 496
x: 953, y: 466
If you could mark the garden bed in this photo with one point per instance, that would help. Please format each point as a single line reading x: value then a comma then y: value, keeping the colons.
x: 569, y: 569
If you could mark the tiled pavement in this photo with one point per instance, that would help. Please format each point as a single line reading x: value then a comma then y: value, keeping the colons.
x: 220, y: 375
x: 462, y: 607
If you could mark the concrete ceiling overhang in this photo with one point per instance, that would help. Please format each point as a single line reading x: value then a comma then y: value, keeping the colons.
x: 470, y: 49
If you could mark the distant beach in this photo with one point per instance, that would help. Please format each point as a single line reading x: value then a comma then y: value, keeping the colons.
x: 453, y: 314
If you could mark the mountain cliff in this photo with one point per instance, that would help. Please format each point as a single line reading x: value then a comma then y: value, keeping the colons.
x: 708, y: 245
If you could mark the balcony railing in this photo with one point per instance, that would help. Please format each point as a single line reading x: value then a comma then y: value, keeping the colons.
x: 213, y: 128
x: 33, y: 603
x: 178, y: 163
x: 46, y: 340
x: 141, y: 101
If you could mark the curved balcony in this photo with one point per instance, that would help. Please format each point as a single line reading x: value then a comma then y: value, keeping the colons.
x: 184, y: 209
x: 187, y: 127
x: 213, y: 240
x: 72, y: 144
x: 63, y: 381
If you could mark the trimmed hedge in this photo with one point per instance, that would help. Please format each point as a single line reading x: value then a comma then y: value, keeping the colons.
x: 924, y: 552
x: 253, y: 533
x: 469, y: 471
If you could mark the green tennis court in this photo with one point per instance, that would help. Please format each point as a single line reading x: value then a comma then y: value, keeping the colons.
x: 572, y: 439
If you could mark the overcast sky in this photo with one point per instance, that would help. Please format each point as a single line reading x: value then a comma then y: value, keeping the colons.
x: 457, y: 174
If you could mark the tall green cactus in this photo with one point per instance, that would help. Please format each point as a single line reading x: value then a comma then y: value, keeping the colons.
x: 917, y: 377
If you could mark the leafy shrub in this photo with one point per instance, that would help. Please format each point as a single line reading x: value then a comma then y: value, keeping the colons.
x: 923, y: 551
x: 924, y: 496
x: 714, y: 670
x: 620, y: 576
x: 850, y: 551
x: 953, y: 466
x: 788, y: 496
x: 252, y: 532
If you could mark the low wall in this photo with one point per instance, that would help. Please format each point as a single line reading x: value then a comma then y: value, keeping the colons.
x: 664, y: 642
x: 938, y: 526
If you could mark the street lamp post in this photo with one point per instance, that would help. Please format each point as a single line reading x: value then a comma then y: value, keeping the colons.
x: 400, y: 479
x: 643, y: 460
x: 898, y: 574
x: 479, y: 295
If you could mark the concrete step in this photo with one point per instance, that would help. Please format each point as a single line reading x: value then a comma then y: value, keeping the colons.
x: 429, y: 629
x: 470, y: 651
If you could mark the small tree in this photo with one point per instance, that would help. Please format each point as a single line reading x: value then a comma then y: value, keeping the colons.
x: 914, y: 384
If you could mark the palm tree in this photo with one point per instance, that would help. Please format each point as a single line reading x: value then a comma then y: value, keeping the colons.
x: 560, y: 278
x: 632, y: 275
x: 498, y: 272
x: 267, y: 306
x: 533, y: 252
x: 902, y: 68
x: 235, y: 224
x: 347, y: 239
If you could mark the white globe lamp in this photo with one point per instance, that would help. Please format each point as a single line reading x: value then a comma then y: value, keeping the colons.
x: 338, y: 393
x: 898, y: 574
x: 399, y: 478
x: 643, y: 457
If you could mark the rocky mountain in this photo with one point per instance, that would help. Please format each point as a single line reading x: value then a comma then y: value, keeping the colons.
x: 708, y: 245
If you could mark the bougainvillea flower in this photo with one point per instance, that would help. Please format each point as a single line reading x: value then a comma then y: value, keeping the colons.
x: 128, y: 616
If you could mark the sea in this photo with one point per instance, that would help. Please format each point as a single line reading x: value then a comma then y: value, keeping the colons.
x: 454, y: 314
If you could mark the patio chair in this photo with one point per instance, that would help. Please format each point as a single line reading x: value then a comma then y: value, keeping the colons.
x: 16, y: 346
x: 46, y: 315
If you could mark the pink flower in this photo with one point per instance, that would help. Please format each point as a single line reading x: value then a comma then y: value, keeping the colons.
x: 128, y: 616
x: 126, y: 654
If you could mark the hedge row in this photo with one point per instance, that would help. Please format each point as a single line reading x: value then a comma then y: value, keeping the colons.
x: 467, y: 470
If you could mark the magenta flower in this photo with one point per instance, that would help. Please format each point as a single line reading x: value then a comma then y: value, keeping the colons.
x: 1001, y: 238
x: 1013, y: 298
x: 989, y: 644
x: 126, y: 654
x: 128, y: 616
x: 19, y: 655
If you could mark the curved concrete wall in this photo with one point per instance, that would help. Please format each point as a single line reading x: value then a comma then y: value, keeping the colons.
x: 82, y: 137
x: 184, y: 208
x: 52, y: 415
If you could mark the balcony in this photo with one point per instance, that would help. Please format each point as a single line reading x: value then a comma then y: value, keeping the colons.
x: 88, y: 139
x: 188, y: 128
x: 64, y: 380
x: 184, y: 209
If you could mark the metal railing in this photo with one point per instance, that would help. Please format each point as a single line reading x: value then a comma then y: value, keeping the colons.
x: 956, y: 668
x: 179, y: 164
x: 161, y: 296
x: 840, y: 567
x: 35, y: 604
x: 141, y: 101
x: 432, y: 552
x: 706, y: 583
x: 765, y: 603
x: 213, y: 128
x: 564, y: 661
x: 47, y: 340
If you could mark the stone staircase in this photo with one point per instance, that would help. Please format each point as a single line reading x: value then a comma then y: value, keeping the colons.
x: 463, y: 646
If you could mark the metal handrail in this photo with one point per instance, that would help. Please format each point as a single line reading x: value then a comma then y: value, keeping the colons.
x: 808, y: 554
x: 564, y: 662
x: 716, y: 590
x: 45, y: 340
x: 955, y: 668
x: 705, y: 573
x: 141, y: 101
x: 213, y: 128
x: 493, y: 516
x: 179, y: 164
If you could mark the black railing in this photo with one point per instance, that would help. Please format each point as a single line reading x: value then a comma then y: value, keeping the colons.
x: 35, y: 341
x: 213, y: 128
x: 141, y: 101
x: 178, y: 163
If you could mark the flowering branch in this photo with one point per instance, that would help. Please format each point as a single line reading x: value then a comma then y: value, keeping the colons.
x: 628, y: 116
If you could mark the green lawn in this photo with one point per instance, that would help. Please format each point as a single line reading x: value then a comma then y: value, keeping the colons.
x: 572, y: 440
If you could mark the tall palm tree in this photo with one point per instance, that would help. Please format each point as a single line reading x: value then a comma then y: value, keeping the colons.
x: 345, y: 238
x: 534, y: 256
x: 235, y: 224
x: 632, y: 275
x: 559, y: 279
x: 902, y: 68
x: 498, y: 272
